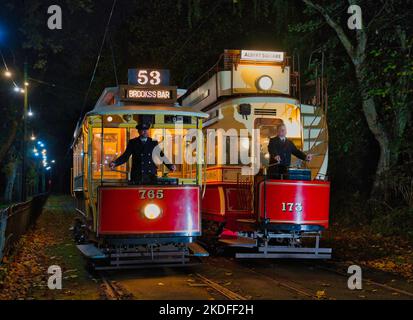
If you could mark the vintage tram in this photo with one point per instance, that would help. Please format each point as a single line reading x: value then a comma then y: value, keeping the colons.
x: 254, y: 91
x: 122, y: 225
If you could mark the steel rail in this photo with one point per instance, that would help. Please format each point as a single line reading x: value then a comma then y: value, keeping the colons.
x: 222, y: 290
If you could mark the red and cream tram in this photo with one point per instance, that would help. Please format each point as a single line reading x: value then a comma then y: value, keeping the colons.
x: 123, y: 225
x: 254, y: 91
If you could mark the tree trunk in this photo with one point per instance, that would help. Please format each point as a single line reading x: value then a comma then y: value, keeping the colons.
x: 377, y: 128
x: 10, y: 179
x: 4, y: 148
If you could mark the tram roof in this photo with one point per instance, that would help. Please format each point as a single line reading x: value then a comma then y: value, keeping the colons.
x: 146, y: 109
x: 105, y: 106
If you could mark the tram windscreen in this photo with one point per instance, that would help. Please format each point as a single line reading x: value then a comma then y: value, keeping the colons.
x: 176, y: 144
x: 115, y: 140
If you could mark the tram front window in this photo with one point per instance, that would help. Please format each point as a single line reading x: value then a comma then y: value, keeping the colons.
x: 114, y: 143
x: 175, y: 145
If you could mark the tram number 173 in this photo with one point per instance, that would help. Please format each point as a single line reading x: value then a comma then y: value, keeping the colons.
x: 151, y: 194
x: 292, y: 206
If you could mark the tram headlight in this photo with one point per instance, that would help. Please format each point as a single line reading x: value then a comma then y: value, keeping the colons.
x: 152, y: 211
x: 264, y: 83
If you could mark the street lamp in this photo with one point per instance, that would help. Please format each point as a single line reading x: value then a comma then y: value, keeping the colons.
x: 7, y: 74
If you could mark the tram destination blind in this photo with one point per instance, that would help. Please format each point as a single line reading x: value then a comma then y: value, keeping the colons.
x: 161, y: 95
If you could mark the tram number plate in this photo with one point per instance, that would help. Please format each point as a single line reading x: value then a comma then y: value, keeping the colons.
x: 151, y: 194
x: 292, y: 206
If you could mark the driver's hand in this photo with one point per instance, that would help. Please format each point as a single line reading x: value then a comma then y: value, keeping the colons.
x: 173, y: 168
x: 277, y: 158
x: 112, y: 165
x: 309, y: 157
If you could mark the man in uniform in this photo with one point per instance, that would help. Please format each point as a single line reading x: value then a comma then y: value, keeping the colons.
x: 143, y: 167
x: 280, y: 150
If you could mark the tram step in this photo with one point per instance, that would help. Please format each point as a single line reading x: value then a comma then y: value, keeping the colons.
x: 239, y: 242
x: 197, y: 251
x: 90, y: 251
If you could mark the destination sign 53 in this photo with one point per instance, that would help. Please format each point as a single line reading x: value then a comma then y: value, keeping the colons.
x: 163, y: 95
x: 148, y: 77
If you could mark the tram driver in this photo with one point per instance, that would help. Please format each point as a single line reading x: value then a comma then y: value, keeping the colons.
x: 280, y: 150
x: 144, y: 169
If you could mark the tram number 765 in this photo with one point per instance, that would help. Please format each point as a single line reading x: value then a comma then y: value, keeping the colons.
x: 151, y: 194
x: 292, y: 206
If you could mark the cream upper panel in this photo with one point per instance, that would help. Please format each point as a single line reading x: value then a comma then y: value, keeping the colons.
x: 245, y: 78
x: 242, y: 79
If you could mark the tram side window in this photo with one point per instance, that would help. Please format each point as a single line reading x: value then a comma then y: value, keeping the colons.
x: 114, y: 143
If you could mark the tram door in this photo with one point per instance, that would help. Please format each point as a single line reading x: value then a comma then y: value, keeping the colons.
x: 268, y: 129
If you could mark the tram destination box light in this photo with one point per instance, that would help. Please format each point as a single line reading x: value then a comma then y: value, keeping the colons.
x: 262, y: 56
x: 161, y: 95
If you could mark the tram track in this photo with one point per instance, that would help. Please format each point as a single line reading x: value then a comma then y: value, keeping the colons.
x: 369, y: 281
x: 112, y: 290
x: 281, y: 282
x: 284, y: 283
x: 231, y: 295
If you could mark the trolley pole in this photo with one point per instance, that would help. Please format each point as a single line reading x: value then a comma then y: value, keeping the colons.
x: 25, y: 107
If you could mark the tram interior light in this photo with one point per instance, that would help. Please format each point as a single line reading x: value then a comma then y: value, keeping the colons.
x: 152, y: 211
x: 264, y: 83
x: 109, y: 119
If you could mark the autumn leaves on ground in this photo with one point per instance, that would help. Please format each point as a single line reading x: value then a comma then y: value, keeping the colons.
x: 23, y: 275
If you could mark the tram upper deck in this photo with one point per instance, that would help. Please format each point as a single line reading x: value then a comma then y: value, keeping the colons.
x: 249, y: 89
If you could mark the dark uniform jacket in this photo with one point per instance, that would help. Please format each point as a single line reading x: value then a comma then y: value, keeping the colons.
x: 276, y: 147
x: 143, y: 166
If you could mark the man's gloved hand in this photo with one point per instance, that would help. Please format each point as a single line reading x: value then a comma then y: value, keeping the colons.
x: 309, y: 157
x: 173, y: 168
x: 112, y: 165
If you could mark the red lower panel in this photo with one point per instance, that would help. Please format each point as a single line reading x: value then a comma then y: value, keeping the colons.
x: 121, y: 210
x: 296, y: 202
